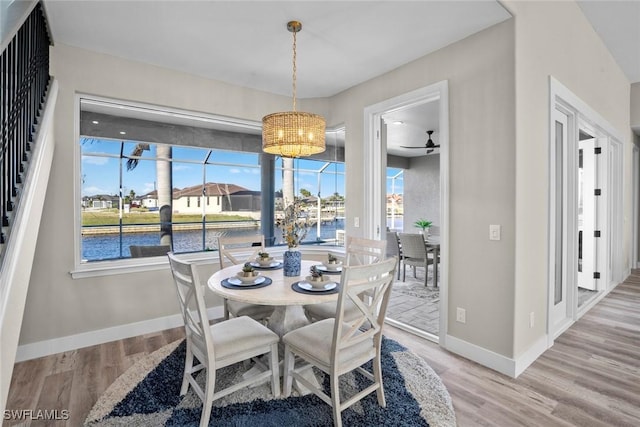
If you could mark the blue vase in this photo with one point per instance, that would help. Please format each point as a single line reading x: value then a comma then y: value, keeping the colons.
x: 291, y: 263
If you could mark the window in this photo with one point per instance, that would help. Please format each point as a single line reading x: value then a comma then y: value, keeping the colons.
x: 123, y: 183
x: 395, y: 199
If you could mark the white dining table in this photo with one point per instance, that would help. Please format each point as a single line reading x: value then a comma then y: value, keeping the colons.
x: 288, y: 313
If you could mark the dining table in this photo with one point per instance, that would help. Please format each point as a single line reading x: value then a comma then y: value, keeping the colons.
x: 283, y: 293
x: 432, y: 243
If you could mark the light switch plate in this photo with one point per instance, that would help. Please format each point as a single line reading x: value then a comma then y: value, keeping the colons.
x: 494, y: 232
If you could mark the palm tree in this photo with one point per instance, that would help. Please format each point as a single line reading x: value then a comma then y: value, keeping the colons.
x: 288, y: 195
x: 165, y: 185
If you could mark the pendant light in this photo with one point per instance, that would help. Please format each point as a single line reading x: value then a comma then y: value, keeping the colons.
x: 293, y: 133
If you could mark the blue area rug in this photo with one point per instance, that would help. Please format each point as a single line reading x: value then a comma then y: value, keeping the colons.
x: 148, y: 395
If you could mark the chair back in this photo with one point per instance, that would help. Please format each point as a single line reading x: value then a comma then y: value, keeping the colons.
x: 361, y: 251
x: 240, y: 249
x: 375, y: 279
x: 413, y: 245
x: 138, y: 251
x: 393, y: 244
x: 194, y: 313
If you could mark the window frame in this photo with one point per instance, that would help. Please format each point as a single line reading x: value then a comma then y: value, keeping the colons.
x: 132, y: 265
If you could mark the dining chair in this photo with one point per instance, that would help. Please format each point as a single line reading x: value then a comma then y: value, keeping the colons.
x: 414, y: 254
x: 138, y: 251
x: 236, y: 251
x: 221, y: 344
x: 393, y: 248
x: 359, y: 251
x: 337, y: 345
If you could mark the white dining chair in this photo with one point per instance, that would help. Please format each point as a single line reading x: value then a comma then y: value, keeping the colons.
x: 359, y: 251
x: 236, y: 251
x: 336, y: 345
x: 221, y: 344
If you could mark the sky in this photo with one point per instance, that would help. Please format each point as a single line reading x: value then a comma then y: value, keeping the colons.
x: 101, y: 173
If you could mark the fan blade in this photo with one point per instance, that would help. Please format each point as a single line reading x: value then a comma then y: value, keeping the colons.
x: 404, y: 146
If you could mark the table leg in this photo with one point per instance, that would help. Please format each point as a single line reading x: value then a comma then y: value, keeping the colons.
x: 436, y: 254
x: 286, y: 318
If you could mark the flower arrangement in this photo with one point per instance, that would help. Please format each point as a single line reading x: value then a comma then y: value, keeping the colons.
x: 294, y: 228
x: 263, y: 255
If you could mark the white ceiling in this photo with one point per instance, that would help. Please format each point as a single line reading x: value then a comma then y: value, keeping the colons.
x: 618, y: 25
x: 342, y: 43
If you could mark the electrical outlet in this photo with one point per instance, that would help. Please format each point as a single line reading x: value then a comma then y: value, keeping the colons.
x: 356, y: 221
x: 532, y: 319
x: 461, y: 315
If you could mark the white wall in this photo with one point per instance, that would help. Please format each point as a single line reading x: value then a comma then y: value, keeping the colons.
x: 553, y: 38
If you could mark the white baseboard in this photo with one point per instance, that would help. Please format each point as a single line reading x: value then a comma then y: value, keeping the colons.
x: 85, y: 339
x: 530, y: 356
x: 488, y: 358
x: 497, y: 362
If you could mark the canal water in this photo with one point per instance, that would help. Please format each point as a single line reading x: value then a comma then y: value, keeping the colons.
x: 114, y: 246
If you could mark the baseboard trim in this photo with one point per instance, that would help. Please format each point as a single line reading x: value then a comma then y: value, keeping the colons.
x: 530, y: 356
x: 488, y: 358
x: 86, y: 339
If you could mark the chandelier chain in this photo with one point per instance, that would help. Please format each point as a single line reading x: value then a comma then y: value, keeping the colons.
x: 294, y: 70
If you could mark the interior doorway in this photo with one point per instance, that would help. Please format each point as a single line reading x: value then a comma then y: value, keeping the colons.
x: 585, y: 209
x: 378, y: 118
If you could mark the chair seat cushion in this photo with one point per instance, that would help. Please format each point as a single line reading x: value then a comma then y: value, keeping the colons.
x: 327, y: 310
x: 316, y: 339
x: 240, y: 334
x: 255, y: 311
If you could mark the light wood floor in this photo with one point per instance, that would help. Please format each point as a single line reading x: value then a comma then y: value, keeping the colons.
x: 590, y: 377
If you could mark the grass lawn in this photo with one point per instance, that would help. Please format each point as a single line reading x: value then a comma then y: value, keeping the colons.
x: 110, y: 217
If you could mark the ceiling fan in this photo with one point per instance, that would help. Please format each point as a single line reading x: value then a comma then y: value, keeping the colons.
x: 430, y: 146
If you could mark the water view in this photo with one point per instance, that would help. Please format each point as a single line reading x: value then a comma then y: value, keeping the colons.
x: 101, y: 247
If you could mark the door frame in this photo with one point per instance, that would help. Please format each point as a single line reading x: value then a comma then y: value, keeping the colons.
x: 581, y: 116
x: 375, y: 166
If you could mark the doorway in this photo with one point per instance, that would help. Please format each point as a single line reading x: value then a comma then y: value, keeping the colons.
x: 585, y: 209
x: 375, y: 192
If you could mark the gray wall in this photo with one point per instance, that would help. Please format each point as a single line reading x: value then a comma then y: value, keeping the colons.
x: 422, y: 191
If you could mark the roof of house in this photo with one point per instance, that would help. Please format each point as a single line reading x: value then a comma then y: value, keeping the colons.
x: 211, y: 189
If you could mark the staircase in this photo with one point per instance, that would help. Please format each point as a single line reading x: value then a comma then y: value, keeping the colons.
x: 26, y: 152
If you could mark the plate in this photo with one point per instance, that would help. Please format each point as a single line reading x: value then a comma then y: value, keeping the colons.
x: 309, y: 287
x: 237, y: 282
x: 324, y: 269
x: 272, y: 265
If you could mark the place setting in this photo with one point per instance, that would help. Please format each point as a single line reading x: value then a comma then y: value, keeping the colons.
x: 247, y: 278
x: 266, y: 262
x: 315, y: 283
x: 331, y: 266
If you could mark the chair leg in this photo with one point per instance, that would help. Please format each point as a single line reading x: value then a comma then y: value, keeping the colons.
x: 377, y: 375
x: 399, y: 263
x: 208, y: 397
x: 188, y: 365
x: 414, y: 272
x: 404, y: 271
x: 335, y: 400
x: 426, y: 273
x: 275, y: 370
x: 289, y: 364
